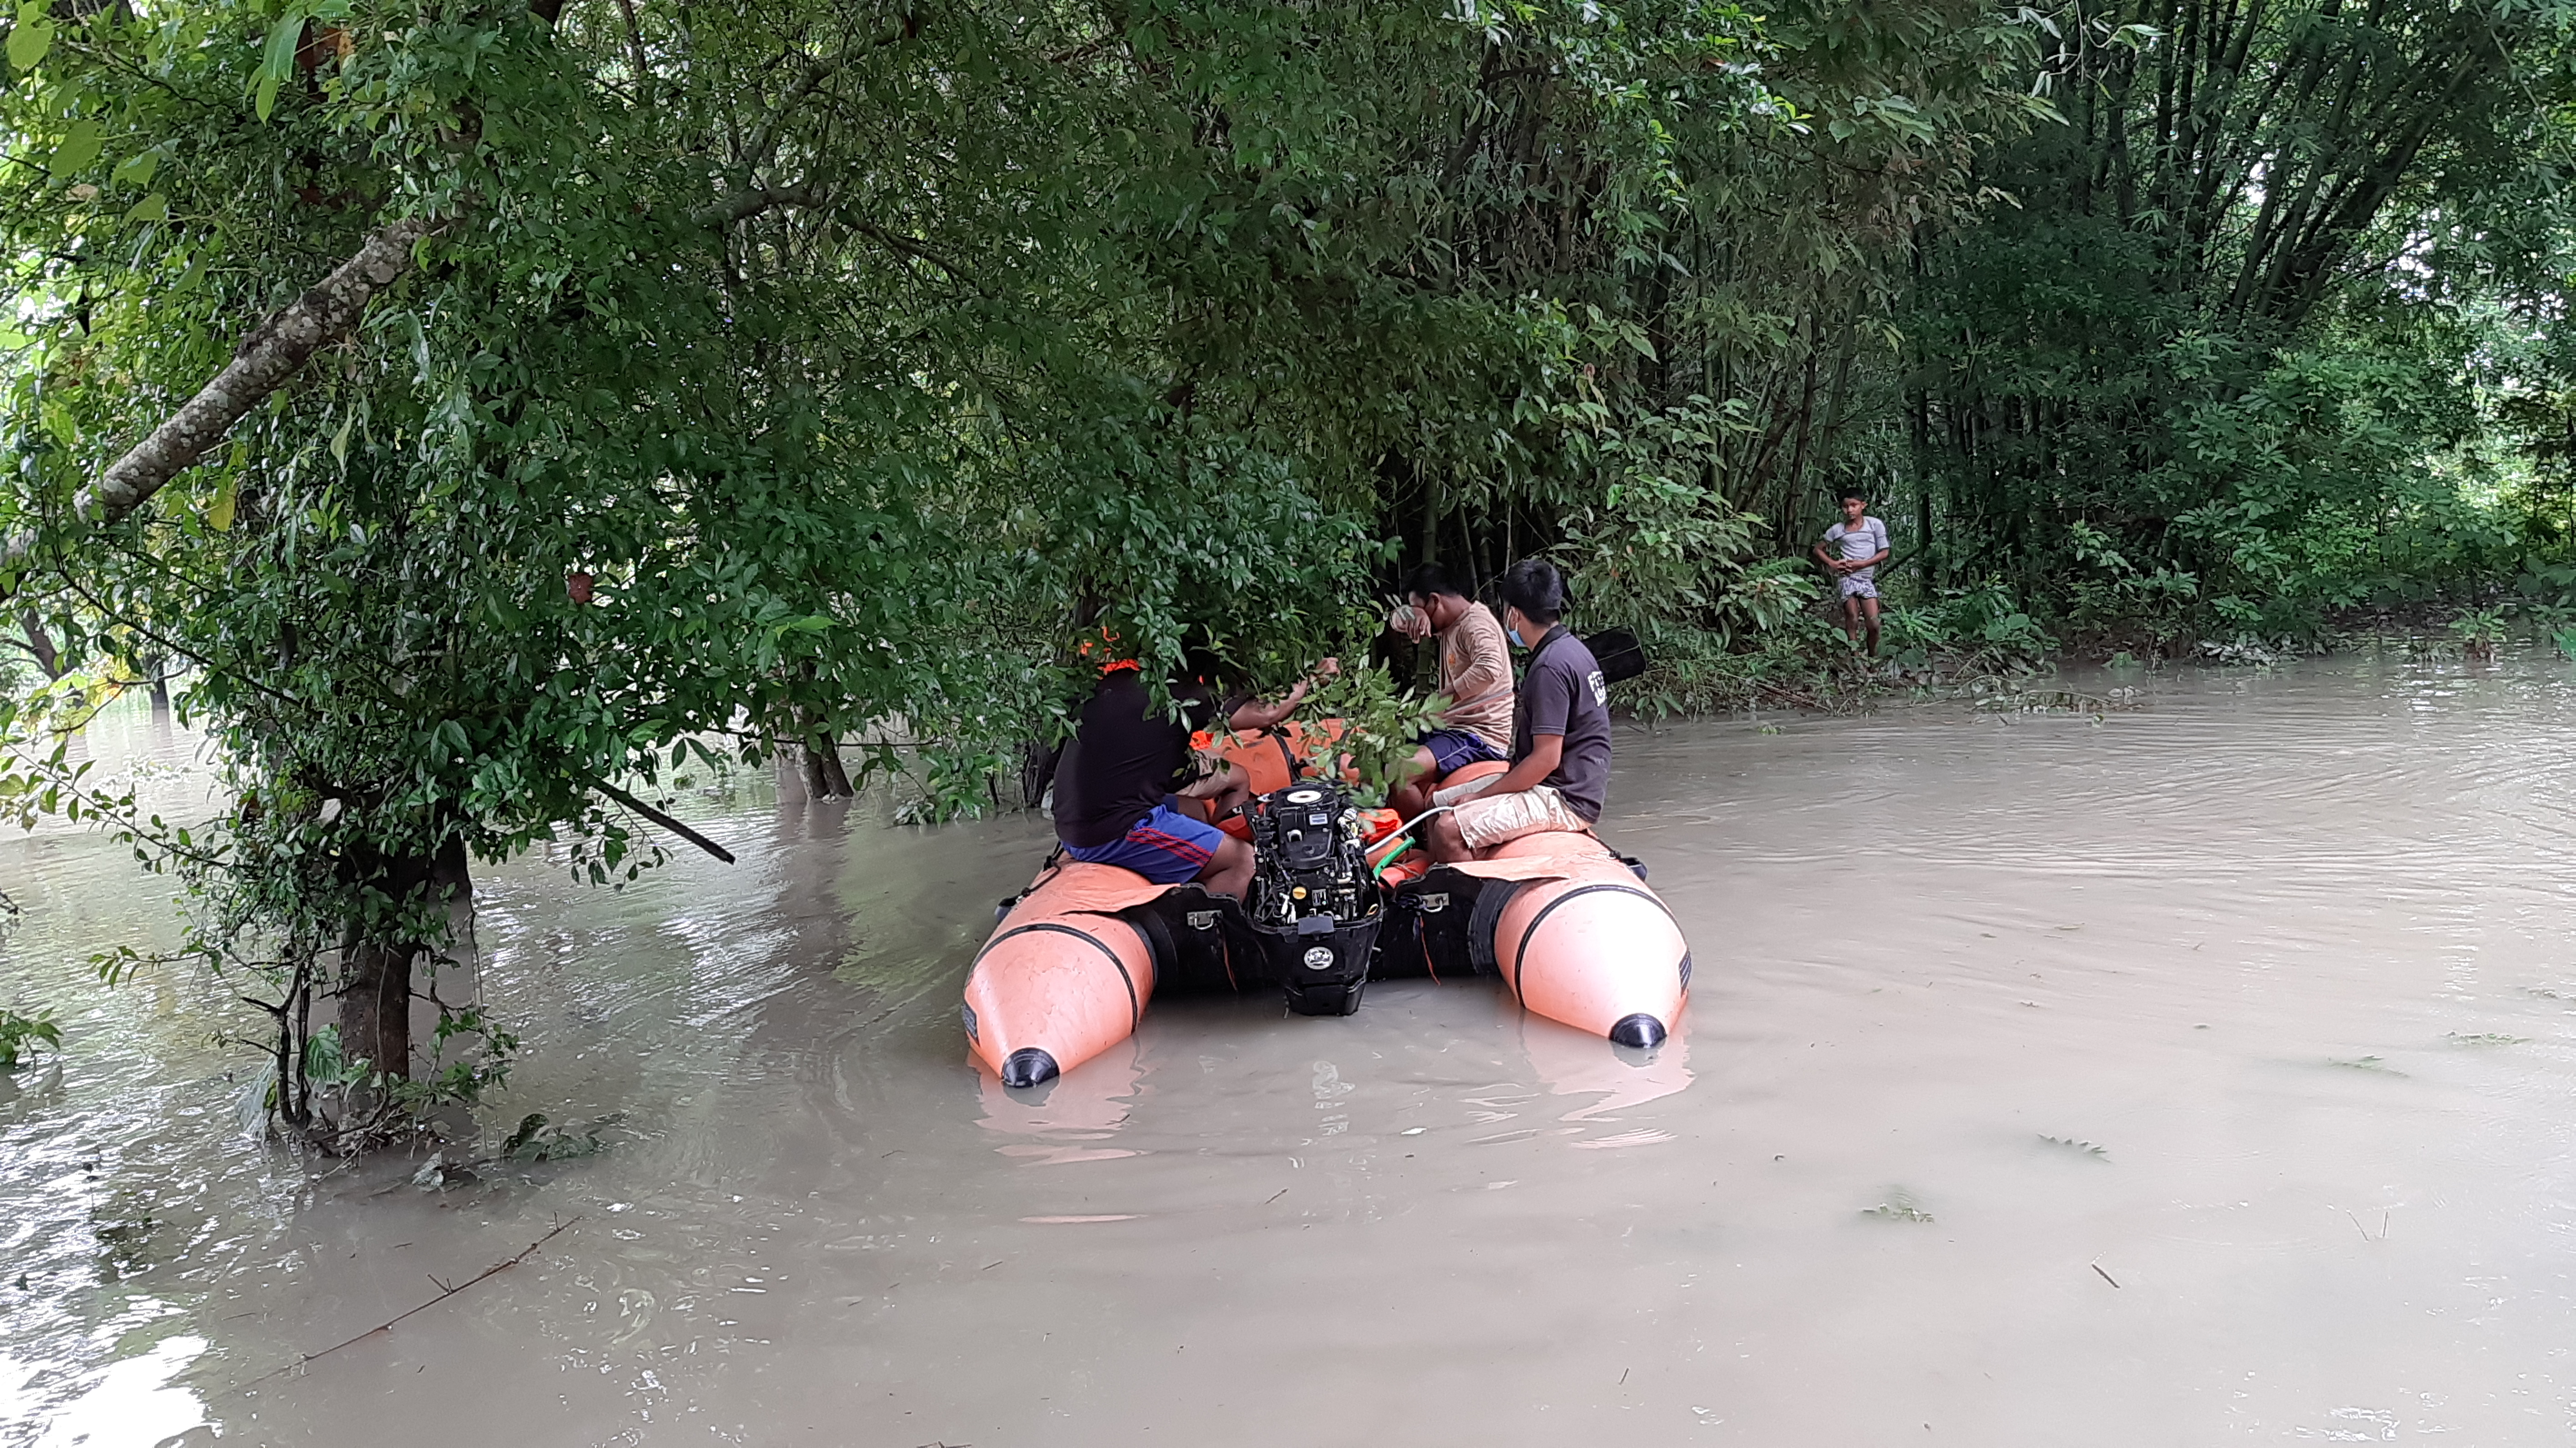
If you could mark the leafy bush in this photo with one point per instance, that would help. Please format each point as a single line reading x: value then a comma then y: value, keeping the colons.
x: 22, y: 1036
x: 2479, y: 631
x: 1985, y: 625
x: 2107, y: 591
x: 1380, y: 722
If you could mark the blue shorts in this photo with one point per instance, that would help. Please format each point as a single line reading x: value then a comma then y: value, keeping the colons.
x: 1166, y: 847
x: 1455, y: 749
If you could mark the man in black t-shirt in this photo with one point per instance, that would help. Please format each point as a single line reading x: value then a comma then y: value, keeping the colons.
x: 1117, y: 793
x: 1560, y: 770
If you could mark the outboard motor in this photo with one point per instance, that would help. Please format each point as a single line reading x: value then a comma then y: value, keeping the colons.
x: 1313, y: 902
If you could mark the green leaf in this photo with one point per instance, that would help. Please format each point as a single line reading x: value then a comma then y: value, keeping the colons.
x: 219, y: 513
x: 419, y: 345
x: 277, y: 57
x: 155, y: 207
x: 340, y: 440
x: 529, y: 1126
x: 77, y: 149
x: 32, y: 36
x: 136, y: 170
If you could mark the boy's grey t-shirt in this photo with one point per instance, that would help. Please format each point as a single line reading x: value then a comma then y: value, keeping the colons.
x: 1866, y: 541
x: 1564, y: 693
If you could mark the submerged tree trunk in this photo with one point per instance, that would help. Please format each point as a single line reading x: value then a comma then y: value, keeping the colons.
x: 375, y: 1006
x: 377, y: 984
x: 41, y: 644
x: 1037, y: 771
x: 156, y: 675
x: 825, y: 776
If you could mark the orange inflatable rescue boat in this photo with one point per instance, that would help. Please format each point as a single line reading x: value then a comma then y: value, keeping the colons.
x: 1568, y: 924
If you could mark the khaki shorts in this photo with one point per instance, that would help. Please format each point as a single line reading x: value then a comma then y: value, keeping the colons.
x: 1486, y: 822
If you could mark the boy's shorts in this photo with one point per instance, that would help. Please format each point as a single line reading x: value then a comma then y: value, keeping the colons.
x: 1166, y: 846
x: 1486, y: 820
x: 1455, y: 749
x: 1858, y: 585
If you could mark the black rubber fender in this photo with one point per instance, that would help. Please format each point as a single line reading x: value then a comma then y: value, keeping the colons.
x: 1485, y: 918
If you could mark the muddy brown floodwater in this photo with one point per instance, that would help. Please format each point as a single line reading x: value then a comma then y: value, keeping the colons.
x: 2203, y: 1073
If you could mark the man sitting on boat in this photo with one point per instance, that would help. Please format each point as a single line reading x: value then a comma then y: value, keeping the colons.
x: 1119, y: 787
x: 1560, y: 732
x: 1475, y: 674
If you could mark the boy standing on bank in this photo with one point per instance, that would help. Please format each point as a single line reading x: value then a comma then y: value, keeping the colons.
x: 1851, y: 553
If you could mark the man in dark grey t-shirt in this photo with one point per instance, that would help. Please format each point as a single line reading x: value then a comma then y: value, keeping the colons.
x: 1560, y: 733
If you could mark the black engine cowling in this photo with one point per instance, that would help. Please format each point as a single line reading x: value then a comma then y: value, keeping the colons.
x: 1313, y: 903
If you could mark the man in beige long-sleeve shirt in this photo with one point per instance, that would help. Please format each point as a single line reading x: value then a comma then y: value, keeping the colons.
x: 1475, y: 675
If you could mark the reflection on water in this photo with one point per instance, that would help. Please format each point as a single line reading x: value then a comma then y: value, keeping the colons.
x: 1571, y: 1063
x: 131, y: 1400
x: 2194, y: 1073
x: 1059, y: 1123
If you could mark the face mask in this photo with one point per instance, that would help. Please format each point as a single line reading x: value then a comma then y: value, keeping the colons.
x: 1515, y: 636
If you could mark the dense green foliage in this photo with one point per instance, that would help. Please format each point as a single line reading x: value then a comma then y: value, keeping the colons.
x: 801, y: 371
x: 2230, y: 360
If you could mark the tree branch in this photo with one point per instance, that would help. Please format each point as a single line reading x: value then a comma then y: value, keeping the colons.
x: 665, y: 821
x: 763, y: 147
x: 635, y: 45
x: 751, y: 201
x: 265, y: 359
x: 906, y: 246
x: 444, y: 1292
